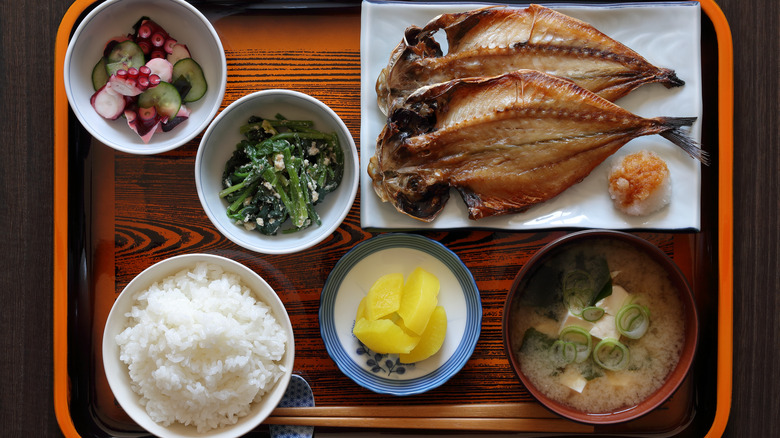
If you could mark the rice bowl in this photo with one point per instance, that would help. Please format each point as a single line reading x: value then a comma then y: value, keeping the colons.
x: 198, y: 345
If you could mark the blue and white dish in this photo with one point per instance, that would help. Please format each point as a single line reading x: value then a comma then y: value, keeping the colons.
x: 349, y: 282
x: 297, y: 395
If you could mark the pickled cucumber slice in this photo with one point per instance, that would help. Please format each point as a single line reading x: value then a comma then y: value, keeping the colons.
x: 188, y: 78
x: 164, y: 97
x: 99, y: 74
x: 123, y: 56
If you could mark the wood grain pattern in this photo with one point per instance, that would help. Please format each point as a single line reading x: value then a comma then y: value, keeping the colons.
x: 757, y: 224
x: 158, y: 215
x: 28, y: 29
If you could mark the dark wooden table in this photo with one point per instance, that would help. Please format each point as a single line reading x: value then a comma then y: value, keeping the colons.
x: 28, y: 29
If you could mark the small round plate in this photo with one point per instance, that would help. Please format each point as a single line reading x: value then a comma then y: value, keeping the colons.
x: 349, y: 282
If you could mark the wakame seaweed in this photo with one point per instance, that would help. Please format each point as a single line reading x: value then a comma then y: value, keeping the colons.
x: 280, y: 170
x: 575, y: 278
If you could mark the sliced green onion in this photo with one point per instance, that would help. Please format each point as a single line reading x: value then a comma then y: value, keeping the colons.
x: 592, y: 313
x: 580, y: 338
x: 633, y: 320
x: 563, y: 351
x: 577, y: 290
x: 610, y: 354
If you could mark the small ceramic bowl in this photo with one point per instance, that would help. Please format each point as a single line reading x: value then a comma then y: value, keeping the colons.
x: 350, y: 280
x: 117, y: 371
x: 219, y: 143
x: 116, y: 18
x: 513, y: 339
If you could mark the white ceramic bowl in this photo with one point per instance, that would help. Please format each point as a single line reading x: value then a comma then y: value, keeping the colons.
x: 117, y: 372
x: 219, y: 142
x: 117, y: 17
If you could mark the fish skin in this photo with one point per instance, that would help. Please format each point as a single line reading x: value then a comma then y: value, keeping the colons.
x: 496, y: 40
x: 505, y: 143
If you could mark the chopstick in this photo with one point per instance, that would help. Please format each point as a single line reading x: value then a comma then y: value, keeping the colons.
x: 487, y: 410
x: 473, y: 424
x: 485, y: 417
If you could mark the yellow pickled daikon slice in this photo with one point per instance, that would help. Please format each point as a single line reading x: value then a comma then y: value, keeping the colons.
x: 419, y: 298
x: 431, y: 339
x: 384, y: 297
x: 384, y: 336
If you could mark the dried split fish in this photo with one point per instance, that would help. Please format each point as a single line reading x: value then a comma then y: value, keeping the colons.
x: 492, y: 41
x: 505, y: 143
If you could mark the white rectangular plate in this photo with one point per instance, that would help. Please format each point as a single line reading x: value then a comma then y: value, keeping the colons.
x: 666, y: 34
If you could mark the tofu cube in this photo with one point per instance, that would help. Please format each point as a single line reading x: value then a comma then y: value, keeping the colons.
x: 573, y: 379
x: 605, y: 328
x: 575, y: 320
x: 614, y: 302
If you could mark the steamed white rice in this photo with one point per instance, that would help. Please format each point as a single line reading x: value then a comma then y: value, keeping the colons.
x: 200, y: 348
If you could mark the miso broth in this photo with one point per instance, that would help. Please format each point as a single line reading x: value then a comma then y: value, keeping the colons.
x: 546, y: 305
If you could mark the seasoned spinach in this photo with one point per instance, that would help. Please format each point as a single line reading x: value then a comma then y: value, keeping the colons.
x: 280, y: 170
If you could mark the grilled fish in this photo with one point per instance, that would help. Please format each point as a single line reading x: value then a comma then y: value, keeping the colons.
x: 505, y: 143
x: 492, y: 41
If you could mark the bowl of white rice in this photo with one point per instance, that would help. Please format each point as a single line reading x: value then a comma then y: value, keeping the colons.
x: 198, y: 345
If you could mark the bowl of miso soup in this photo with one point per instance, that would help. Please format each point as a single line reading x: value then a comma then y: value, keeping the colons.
x: 600, y: 326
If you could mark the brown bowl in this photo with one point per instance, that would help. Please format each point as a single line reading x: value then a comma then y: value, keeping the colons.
x: 674, y: 378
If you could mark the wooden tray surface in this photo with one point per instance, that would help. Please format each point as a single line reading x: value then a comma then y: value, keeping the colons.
x: 126, y: 212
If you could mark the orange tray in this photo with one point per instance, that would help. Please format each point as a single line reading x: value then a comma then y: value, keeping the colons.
x: 112, y: 219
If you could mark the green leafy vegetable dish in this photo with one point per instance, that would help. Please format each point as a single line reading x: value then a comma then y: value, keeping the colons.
x: 281, y: 169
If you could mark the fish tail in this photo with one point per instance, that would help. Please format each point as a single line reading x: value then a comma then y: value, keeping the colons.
x: 670, y: 80
x: 675, y: 134
x: 678, y: 122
